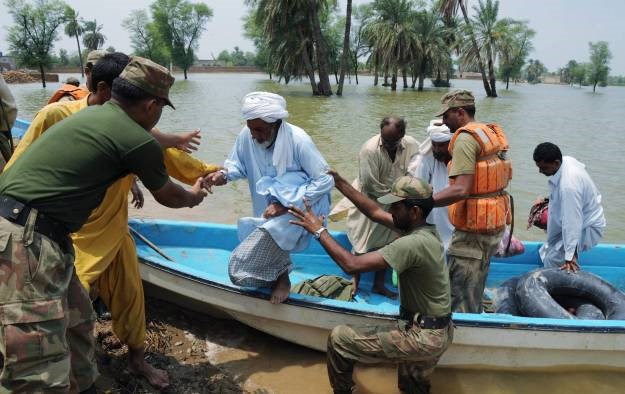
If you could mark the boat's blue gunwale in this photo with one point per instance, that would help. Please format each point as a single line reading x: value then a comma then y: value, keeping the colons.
x: 460, y: 319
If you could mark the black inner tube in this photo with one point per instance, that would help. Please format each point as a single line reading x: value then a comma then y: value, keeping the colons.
x: 536, y: 290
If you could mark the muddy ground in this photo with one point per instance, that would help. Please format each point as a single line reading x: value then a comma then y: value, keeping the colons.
x: 177, y: 342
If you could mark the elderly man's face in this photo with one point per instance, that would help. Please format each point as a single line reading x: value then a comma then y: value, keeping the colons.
x: 262, y: 132
x: 440, y: 151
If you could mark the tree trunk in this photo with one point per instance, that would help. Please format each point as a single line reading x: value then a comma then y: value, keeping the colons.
x: 491, y: 71
x: 422, y: 69
x: 348, y: 26
x: 184, y: 70
x: 480, y: 63
x: 309, y: 70
x: 82, y: 69
x: 394, y: 80
x: 594, y: 87
x: 43, y: 75
x: 507, y: 82
x: 322, y: 55
x: 405, y: 77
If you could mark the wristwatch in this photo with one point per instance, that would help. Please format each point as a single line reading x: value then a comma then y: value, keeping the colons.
x: 317, y: 234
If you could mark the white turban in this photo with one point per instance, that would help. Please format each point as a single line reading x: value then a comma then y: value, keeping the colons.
x: 434, y: 133
x: 438, y: 133
x: 269, y: 107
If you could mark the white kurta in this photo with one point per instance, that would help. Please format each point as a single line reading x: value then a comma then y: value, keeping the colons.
x: 251, y: 161
x: 576, y: 220
x: 434, y: 172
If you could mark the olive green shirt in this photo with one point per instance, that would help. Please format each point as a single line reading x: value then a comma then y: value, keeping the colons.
x: 422, y: 272
x: 464, y: 155
x: 65, y: 173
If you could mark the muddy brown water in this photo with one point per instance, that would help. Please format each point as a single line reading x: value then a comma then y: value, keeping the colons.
x: 585, y: 125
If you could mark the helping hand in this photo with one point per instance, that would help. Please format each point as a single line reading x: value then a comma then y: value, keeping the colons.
x: 188, y: 141
x: 216, y: 178
x: 137, y: 195
x: 198, y: 192
x: 571, y: 266
x: 308, y: 220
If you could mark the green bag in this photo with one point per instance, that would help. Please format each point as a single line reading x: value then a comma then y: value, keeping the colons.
x: 327, y: 286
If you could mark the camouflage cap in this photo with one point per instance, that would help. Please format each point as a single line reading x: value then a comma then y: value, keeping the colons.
x: 96, y: 55
x: 407, y: 187
x: 149, y: 76
x: 456, y: 99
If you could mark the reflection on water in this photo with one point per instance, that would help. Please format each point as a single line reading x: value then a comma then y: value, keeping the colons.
x: 583, y: 124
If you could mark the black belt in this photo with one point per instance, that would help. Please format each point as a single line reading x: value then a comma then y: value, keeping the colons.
x: 16, y: 212
x: 425, y: 321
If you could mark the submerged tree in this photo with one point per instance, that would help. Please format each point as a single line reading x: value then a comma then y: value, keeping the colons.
x: 31, y: 38
x: 598, y: 69
x: 449, y: 8
x: 514, y: 45
x: 144, y: 37
x: 180, y: 25
x: 345, y: 54
x: 74, y: 28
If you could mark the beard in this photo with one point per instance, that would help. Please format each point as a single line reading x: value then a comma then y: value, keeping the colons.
x: 442, y: 157
x: 400, y: 224
x: 269, y: 141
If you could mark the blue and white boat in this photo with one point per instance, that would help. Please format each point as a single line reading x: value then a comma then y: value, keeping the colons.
x: 198, y: 278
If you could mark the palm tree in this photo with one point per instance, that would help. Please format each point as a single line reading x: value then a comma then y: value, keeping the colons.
x: 449, y: 8
x: 486, y: 36
x: 345, y: 55
x: 93, y: 38
x: 430, y: 42
x: 74, y: 28
x: 514, y: 46
x: 391, y: 35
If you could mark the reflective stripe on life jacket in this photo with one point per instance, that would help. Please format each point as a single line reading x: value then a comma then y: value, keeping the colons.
x: 77, y: 93
x: 488, y: 208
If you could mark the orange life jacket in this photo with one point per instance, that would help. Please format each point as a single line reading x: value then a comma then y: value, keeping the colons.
x: 488, y: 208
x: 77, y: 92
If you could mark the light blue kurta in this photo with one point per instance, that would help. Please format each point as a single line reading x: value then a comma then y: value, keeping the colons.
x: 305, y: 177
x: 576, y: 220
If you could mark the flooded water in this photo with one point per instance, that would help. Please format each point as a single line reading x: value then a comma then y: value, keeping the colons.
x: 583, y: 124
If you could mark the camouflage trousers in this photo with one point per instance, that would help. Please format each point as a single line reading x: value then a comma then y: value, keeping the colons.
x: 46, y: 331
x: 468, y: 258
x: 416, y: 352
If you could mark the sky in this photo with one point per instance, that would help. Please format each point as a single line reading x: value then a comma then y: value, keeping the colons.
x: 563, y: 27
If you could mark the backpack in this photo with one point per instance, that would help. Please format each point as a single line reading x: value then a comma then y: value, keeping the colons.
x: 327, y: 286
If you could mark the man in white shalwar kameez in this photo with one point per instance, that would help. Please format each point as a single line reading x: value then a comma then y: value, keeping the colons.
x: 431, y: 166
x: 575, y: 220
x: 282, y: 166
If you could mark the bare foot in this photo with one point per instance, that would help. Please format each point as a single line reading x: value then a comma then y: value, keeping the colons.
x: 138, y: 366
x: 281, y: 289
x: 385, y: 292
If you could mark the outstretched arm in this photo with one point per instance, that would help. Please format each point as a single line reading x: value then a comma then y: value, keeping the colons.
x: 349, y: 263
x: 186, y: 141
x: 364, y: 204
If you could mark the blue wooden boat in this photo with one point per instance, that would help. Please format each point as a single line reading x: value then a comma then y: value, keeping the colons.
x: 198, y: 277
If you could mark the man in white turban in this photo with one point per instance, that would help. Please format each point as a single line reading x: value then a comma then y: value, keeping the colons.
x: 431, y: 165
x: 282, y: 166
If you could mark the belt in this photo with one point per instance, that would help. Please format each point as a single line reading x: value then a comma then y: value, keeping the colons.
x: 16, y: 212
x: 425, y: 321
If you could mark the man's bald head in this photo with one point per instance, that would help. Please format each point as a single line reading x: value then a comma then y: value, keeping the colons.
x: 392, y: 130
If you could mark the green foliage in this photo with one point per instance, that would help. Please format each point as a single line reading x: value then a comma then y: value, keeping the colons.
x: 92, y: 35
x: 144, y: 37
x: 514, y: 45
x: 534, y: 71
x: 180, y: 24
x: 35, y: 29
x: 236, y: 58
x: 598, y: 68
x: 74, y: 28
x: 616, y: 80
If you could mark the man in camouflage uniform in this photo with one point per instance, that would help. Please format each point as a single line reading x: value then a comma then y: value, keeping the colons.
x: 46, y: 330
x: 469, y: 253
x: 424, y: 331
